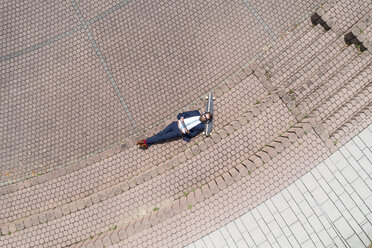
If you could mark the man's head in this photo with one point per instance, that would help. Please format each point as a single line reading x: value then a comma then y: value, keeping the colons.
x: 206, y: 117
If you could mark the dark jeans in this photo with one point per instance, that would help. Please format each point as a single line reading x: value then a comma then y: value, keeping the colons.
x: 170, y: 132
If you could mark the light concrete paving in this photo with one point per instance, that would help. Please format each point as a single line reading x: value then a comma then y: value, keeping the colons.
x: 330, y: 206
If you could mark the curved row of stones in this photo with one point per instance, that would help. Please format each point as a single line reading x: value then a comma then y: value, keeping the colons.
x: 243, y: 169
x: 238, y: 79
x: 250, y: 160
x: 86, y: 163
x: 153, y: 172
x: 199, y: 103
x: 102, y: 195
x: 226, y: 179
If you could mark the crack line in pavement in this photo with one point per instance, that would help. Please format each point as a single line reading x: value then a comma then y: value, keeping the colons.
x: 260, y: 20
x: 104, y: 64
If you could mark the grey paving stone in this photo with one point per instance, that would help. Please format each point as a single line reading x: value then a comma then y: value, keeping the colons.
x: 316, y: 224
x: 270, y: 205
x: 306, y: 209
x: 217, y: 239
x: 295, y: 193
x: 362, y: 189
x: 330, y: 165
x: 256, y: 214
x: 367, y: 228
x: 361, y: 145
x: 309, y: 182
x: 275, y: 229
x: 319, y: 195
x: 239, y: 224
x: 343, y: 227
x: 249, y: 221
x: 289, y: 216
x: 350, y: 174
x: 300, y: 185
x: 258, y: 236
x: 308, y: 244
x: 207, y: 241
x: 292, y: 240
x: 324, y: 171
x: 279, y: 202
x: 283, y: 241
x: 345, y: 152
x: 299, y: 232
x: 331, y: 210
x: 309, y: 229
x: 354, y: 150
x: 242, y: 243
x: 286, y: 194
x: 225, y: 233
x: 364, y: 238
x: 354, y: 241
x: 341, y: 179
x: 366, y: 164
x: 366, y: 137
x: 200, y: 244
x: 355, y: 225
x: 279, y: 219
x: 234, y: 231
x: 247, y: 237
x: 265, y: 212
x: 325, y: 238
x: 264, y: 228
x: 336, y: 187
x: 231, y: 243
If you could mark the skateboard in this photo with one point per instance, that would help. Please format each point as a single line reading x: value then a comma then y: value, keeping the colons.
x: 209, y: 108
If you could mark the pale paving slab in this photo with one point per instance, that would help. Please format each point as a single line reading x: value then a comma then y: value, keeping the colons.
x: 330, y: 206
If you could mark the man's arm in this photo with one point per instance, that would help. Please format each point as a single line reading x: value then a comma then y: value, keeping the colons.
x: 195, y: 131
x: 188, y: 114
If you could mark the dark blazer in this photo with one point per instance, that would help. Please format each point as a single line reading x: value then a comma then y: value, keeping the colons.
x: 195, y: 130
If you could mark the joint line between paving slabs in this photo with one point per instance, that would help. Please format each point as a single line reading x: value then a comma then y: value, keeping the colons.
x: 107, y: 12
x: 327, y: 217
x: 104, y: 64
x: 41, y: 44
x: 260, y: 20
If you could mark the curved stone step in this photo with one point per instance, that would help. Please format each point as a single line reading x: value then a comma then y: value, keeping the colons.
x: 320, y: 61
x: 306, y: 53
x: 345, y: 14
x: 331, y: 71
x: 354, y: 125
x: 284, y: 42
x: 361, y: 82
x: 41, y: 197
x: 322, y: 85
x: 211, y: 188
x: 274, y: 67
x: 83, y: 203
x: 129, y: 198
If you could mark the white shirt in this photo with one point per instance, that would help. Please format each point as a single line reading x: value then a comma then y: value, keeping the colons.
x: 190, y: 123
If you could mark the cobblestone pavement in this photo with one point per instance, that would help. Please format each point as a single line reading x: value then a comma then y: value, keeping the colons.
x: 81, y: 77
x: 292, y: 86
x: 330, y: 206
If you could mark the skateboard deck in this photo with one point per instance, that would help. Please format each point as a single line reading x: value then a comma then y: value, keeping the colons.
x: 209, y: 108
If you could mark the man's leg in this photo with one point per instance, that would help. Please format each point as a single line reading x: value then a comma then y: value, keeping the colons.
x: 170, y: 132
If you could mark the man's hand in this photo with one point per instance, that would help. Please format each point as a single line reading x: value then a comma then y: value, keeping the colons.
x: 187, y: 131
x: 182, y: 120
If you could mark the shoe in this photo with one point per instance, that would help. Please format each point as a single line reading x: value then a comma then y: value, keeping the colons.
x: 144, y: 146
x: 141, y: 142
